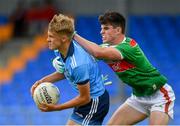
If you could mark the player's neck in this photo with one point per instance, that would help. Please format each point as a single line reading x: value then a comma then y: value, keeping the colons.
x: 119, y: 39
x: 64, y: 49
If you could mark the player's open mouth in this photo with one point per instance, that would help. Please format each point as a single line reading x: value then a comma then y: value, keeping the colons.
x: 103, y: 38
x: 49, y: 45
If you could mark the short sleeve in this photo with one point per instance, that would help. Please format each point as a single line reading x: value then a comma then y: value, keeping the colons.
x: 80, y: 74
x: 127, y: 50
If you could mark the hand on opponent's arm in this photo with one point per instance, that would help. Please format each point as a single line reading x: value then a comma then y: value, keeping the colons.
x: 86, y: 44
x: 108, y: 53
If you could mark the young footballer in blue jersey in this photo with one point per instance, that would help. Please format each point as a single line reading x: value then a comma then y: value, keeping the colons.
x: 92, y: 102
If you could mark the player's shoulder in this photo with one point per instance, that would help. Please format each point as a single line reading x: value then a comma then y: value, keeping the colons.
x: 130, y: 42
x: 79, y: 59
x: 79, y: 50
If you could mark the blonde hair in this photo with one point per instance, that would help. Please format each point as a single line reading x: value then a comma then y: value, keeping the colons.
x: 62, y: 24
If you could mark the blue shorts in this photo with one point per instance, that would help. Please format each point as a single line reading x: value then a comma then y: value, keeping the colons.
x: 92, y: 113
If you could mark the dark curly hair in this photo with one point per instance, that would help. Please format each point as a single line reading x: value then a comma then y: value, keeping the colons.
x: 113, y: 18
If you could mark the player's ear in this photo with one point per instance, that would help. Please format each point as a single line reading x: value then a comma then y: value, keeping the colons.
x: 64, y: 38
x: 119, y: 29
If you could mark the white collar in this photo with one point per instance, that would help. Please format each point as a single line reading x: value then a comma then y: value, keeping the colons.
x: 124, y: 40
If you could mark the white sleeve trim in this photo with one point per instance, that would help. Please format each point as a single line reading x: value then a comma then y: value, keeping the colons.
x: 120, y: 54
x: 118, y: 51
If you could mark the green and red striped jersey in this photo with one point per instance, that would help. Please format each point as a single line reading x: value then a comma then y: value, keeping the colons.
x: 135, y: 69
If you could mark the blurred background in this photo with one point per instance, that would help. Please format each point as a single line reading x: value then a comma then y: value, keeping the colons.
x: 24, y: 57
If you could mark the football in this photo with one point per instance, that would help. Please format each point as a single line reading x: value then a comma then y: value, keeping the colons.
x: 46, y: 92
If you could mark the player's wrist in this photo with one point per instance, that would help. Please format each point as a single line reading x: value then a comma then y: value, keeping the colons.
x: 41, y: 81
x: 58, y: 107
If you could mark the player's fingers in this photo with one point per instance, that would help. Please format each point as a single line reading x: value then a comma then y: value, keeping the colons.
x: 106, y: 76
x: 32, y: 90
x: 108, y: 83
x: 44, y: 109
x: 43, y: 104
x: 60, y: 63
x: 34, y: 86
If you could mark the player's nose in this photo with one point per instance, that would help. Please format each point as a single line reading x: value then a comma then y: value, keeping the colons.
x: 48, y: 40
x: 101, y: 32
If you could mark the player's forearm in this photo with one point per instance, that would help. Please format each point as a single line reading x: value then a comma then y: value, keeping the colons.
x: 91, y: 47
x: 77, y: 101
x: 53, y: 77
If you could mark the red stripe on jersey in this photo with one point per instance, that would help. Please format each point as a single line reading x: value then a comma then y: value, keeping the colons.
x: 166, y: 95
x: 133, y: 43
x: 121, y: 66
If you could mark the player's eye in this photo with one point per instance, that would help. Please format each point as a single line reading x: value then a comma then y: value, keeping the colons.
x: 106, y: 28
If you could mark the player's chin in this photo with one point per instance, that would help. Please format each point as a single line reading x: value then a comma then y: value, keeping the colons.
x: 51, y: 48
x: 104, y: 40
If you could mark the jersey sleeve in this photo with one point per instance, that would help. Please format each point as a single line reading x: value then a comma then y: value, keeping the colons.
x: 80, y: 74
x: 128, y: 50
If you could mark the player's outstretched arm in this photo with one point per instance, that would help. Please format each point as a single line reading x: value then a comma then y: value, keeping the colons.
x: 56, y: 76
x: 88, y: 45
x: 108, y: 53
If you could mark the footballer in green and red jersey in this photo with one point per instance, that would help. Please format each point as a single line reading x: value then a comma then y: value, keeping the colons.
x: 152, y: 97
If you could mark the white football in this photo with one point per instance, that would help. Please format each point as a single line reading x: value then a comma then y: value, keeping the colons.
x: 46, y: 92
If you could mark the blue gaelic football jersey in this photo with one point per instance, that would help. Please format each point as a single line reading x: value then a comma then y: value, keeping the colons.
x: 81, y: 67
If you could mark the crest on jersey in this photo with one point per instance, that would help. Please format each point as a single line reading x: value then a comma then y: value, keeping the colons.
x: 121, y: 66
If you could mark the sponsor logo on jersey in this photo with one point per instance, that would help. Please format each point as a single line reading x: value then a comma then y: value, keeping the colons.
x: 121, y: 66
x: 133, y: 43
